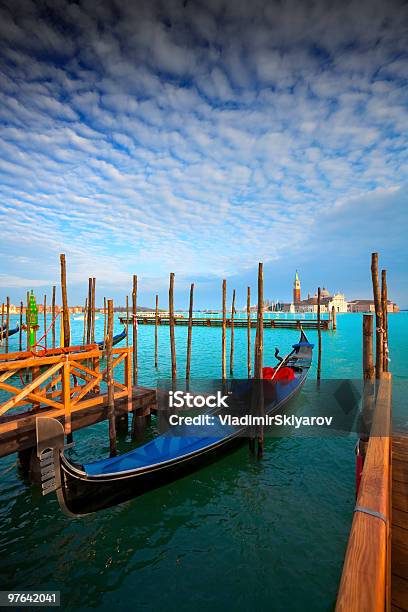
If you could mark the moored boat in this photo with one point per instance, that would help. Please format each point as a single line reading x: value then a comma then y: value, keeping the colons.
x: 100, y: 484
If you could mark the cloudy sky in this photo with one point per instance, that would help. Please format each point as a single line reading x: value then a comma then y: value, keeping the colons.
x: 201, y: 138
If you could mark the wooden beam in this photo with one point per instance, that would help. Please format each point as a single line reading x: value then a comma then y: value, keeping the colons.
x: 7, y: 322
x: 232, y: 335
x: 319, y: 335
x: 249, y: 332
x: 368, y: 364
x: 134, y: 328
x: 54, y: 289
x: 384, y: 308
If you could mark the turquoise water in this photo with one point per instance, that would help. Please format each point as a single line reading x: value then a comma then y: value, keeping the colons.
x: 240, y: 534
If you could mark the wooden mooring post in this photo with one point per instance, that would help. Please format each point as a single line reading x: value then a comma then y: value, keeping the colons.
x: 109, y: 380
x: 319, y: 335
x: 224, y: 331
x: 258, y: 365
x: 54, y: 290
x: 384, y: 307
x: 134, y: 328
x: 65, y: 310
x: 156, y: 339
x: 93, y: 310
x: 45, y: 320
x: 334, y: 318
x: 88, y: 314
x: 379, y: 347
x: 85, y: 319
x: 232, y: 334
x: 189, y: 333
x: 20, y: 333
x: 7, y: 322
x: 172, y: 339
x: 249, y: 332
x: 127, y: 320
x: 2, y: 324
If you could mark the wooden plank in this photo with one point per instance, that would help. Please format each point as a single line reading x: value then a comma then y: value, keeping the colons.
x: 399, y: 592
x: 399, y: 518
x: 400, y: 470
x: 26, y: 390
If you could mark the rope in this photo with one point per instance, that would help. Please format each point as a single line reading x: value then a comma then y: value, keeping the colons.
x: 46, y: 333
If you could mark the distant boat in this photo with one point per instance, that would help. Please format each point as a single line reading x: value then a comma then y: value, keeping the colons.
x: 81, y: 317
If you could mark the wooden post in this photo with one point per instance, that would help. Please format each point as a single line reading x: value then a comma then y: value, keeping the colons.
x: 109, y: 379
x: 171, y: 322
x: 224, y: 330
x: 45, y: 320
x: 127, y: 321
x: 20, y: 333
x: 7, y: 322
x: 66, y: 397
x: 28, y: 323
x: 334, y: 318
x: 249, y: 331
x: 189, y: 333
x: 85, y: 316
x: 53, y: 315
x: 89, y: 313
x: 104, y: 319
x: 134, y: 328
x: 384, y: 307
x: 2, y: 324
x: 65, y: 300
x: 259, y: 358
x: 156, y: 339
x: 93, y: 310
x: 378, y: 317
x: 368, y: 363
x: 319, y: 335
x: 232, y: 335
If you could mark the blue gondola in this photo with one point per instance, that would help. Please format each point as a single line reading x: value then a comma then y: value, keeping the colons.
x: 11, y: 332
x: 92, y: 486
x: 116, y: 339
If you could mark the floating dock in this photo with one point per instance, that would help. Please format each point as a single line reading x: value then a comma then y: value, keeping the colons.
x: 212, y: 322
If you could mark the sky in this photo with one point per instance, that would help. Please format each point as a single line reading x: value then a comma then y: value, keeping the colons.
x: 200, y: 138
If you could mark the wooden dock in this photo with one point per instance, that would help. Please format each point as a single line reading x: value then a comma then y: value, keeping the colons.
x: 65, y: 384
x: 212, y: 322
x: 375, y: 571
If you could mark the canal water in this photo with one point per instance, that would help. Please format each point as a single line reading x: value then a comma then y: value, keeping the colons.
x: 241, y: 534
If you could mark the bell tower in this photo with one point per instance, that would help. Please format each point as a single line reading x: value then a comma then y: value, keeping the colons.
x: 296, y: 289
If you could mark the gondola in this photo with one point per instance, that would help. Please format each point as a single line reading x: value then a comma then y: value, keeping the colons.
x: 11, y: 332
x: 86, y: 488
x: 116, y: 339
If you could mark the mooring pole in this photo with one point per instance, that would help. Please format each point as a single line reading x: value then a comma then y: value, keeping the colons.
x: 259, y: 359
x: 319, y: 335
x: 378, y: 317
x: 93, y: 310
x: 45, y: 320
x: 65, y: 300
x: 7, y: 322
x: 368, y: 363
x: 224, y: 330
x: 134, y: 328
x: 384, y: 306
x: 89, y: 312
x: 156, y: 339
x: 189, y: 333
x: 334, y: 318
x: 20, y: 334
x: 54, y: 289
x: 109, y: 379
x: 171, y: 322
x: 232, y: 335
x: 105, y: 314
x: 2, y: 324
x: 85, y: 316
x: 127, y: 321
x: 249, y: 331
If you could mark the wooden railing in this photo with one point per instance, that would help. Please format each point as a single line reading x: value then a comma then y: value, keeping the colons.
x: 365, y: 582
x: 61, y: 380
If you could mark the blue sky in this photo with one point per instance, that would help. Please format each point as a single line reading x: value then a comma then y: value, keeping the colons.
x: 201, y: 138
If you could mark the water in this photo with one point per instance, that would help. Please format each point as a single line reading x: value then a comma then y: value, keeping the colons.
x: 240, y: 534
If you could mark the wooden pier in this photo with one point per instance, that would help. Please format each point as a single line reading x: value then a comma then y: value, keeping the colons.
x: 64, y: 383
x: 212, y: 322
x: 375, y: 572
